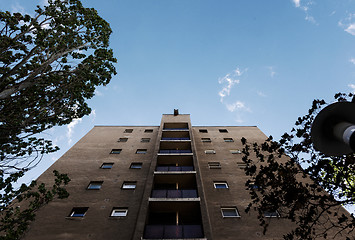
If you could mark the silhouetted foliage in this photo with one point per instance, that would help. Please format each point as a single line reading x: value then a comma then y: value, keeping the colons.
x: 302, y: 184
x: 50, y: 65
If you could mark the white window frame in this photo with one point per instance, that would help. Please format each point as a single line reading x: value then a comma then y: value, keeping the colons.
x: 220, y: 183
x: 119, y: 212
x: 210, y: 151
x: 241, y: 165
x: 206, y: 140
x: 237, y: 215
x: 228, y: 139
x: 235, y: 151
x: 274, y: 214
x: 141, y: 151
x: 116, y: 151
x: 73, y: 212
x: 105, y: 165
x: 214, y: 165
x: 129, y: 185
x: 95, y: 185
x: 136, y: 164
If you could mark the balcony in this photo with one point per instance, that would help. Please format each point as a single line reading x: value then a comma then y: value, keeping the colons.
x: 174, y: 168
x: 173, y: 231
x: 166, y: 151
x: 175, y: 129
x: 166, y: 193
x: 175, y: 139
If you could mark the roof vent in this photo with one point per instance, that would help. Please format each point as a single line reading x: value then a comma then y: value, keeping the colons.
x: 176, y: 112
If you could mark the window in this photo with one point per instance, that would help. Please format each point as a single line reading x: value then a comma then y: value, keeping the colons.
x: 252, y: 185
x: 145, y: 140
x: 148, y: 130
x: 205, y: 139
x: 228, y: 139
x: 106, y: 165
x: 220, y: 185
x: 136, y: 165
x: 129, y: 185
x: 203, y: 130
x: 270, y: 214
x: 235, y: 151
x: 119, y: 212
x: 116, y: 151
x: 122, y: 139
x: 78, y: 211
x: 223, y: 130
x: 95, y: 185
x: 210, y: 151
x: 141, y: 151
x: 241, y: 165
x: 128, y: 130
x: 229, y: 212
x: 214, y: 165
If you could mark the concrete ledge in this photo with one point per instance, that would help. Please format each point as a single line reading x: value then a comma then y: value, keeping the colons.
x: 174, y: 172
x: 174, y: 199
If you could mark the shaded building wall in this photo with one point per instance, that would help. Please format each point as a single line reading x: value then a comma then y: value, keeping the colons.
x: 82, y: 163
x: 215, y: 158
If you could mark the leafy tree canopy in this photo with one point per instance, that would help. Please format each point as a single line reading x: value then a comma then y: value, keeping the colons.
x: 279, y: 183
x: 50, y: 64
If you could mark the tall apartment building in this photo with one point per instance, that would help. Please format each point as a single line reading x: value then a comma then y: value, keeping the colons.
x: 173, y: 181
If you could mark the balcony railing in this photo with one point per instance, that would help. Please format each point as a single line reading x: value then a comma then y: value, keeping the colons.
x: 173, y: 231
x: 175, y: 129
x: 175, y: 151
x: 175, y: 139
x: 174, y: 193
x: 174, y: 168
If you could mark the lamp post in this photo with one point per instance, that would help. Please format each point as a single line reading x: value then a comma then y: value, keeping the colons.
x: 333, y: 129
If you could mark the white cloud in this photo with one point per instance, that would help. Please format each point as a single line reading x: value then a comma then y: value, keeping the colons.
x: 70, y: 129
x: 93, y: 115
x: 17, y: 8
x: 230, y: 79
x: 238, y: 105
x: 352, y: 86
x: 98, y: 93
x: 297, y: 3
x: 351, y: 29
x: 272, y: 71
x: 261, y: 94
x: 305, y: 6
x: 352, y: 60
x: 348, y: 24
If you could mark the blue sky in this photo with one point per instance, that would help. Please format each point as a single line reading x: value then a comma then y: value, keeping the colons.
x: 228, y: 62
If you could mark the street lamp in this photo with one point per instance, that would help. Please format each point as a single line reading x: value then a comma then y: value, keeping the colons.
x: 333, y: 129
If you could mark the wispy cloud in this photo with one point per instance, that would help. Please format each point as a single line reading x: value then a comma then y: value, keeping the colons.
x: 352, y: 60
x: 98, y: 93
x: 297, y: 3
x: 17, y: 8
x: 351, y: 29
x: 238, y: 105
x: 348, y: 24
x: 261, y: 94
x: 93, y: 115
x: 229, y: 80
x: 305, y: 6
x: 352, y: 86
x: 70, y: 129
x: 272, y: 71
